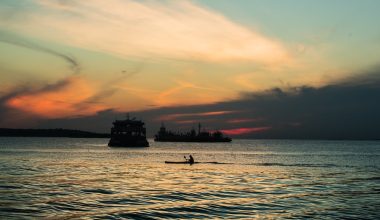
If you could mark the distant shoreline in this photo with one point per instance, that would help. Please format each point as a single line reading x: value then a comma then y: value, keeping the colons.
x: 71, y: 133
x: 56, y: 132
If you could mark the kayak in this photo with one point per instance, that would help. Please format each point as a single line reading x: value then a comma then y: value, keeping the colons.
x: 179, y: 162
x: 186, y: 162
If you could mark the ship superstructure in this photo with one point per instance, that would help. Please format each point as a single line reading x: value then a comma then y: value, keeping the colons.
x: 128, y: 133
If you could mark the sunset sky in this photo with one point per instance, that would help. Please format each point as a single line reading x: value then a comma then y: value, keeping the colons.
x: 63, y: 62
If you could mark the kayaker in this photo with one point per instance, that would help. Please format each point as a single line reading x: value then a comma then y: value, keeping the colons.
x: 191, y: 160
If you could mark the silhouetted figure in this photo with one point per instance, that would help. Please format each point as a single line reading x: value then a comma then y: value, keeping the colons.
x: 191, y: 160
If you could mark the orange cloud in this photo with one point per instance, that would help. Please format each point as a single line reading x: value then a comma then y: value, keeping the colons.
x: 243, y: 120
x: 67, y: 98
x: 193, y: 121
x: 172, y: 117
x: 186, y: 93
x: 239, y: 131
x: 186, y: 122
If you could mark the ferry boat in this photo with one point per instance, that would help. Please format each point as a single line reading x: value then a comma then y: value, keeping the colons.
x: 128, y: 133
x: 202, y: 136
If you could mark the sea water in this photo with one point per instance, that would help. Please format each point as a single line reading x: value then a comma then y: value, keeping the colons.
x: 63, y: 178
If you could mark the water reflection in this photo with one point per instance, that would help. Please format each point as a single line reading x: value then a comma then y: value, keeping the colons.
x: 47, y: 182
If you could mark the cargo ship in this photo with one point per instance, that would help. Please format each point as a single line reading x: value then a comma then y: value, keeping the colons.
x: 164, y: 135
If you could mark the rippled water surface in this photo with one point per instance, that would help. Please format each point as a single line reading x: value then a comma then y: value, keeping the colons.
x: 61, y: 178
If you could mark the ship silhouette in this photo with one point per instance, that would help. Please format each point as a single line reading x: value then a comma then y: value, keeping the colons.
x: 164, y: 135
x: 128, y: 133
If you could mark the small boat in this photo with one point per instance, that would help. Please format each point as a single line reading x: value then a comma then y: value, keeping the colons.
x: 187, y: 162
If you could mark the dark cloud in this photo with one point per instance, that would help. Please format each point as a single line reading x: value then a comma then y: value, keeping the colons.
x: 29, y: 88
x: 347, y: 109
x: 9, y: 38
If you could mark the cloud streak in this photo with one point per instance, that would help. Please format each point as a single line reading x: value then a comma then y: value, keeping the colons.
x: 172, y: 117
x: 242, y: 131
x: 12, y: 39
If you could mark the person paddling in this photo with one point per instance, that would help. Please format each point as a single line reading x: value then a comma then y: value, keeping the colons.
x: 191, y: 160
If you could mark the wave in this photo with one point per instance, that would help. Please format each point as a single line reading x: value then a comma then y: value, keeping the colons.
x: 276, y: 164
x: 100, y: 191
x: 295, y: 165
